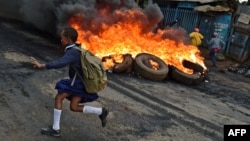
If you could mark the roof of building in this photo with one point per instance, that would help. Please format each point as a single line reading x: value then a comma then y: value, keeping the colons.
x: 206, y: 8
x: 200, y: 1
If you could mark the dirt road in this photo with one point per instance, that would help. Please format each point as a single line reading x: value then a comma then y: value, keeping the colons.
x: 140, y: 110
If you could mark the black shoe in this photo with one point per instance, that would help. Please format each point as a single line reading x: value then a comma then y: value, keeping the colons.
x: 50, y: 131
x: 103, y: 116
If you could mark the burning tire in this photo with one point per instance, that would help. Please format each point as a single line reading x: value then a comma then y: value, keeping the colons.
x: 143, y: 66
x: 185, y: 78
x: 125, y: 66
x: 191, y: 65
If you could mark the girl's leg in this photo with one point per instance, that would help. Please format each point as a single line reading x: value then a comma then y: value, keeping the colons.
x: 54, y: 130
x: 58, y: 109
x: 74, y: 106
x: 59, y: 99
x: 102, y: 112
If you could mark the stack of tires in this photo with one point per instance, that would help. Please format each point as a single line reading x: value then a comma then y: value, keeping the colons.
x: 142, y: 66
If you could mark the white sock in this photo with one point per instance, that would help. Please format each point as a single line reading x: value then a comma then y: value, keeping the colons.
x: 57, y: 117
x: 92, y: 110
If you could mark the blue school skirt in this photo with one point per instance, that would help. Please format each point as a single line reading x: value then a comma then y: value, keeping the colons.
x: 64, y: 86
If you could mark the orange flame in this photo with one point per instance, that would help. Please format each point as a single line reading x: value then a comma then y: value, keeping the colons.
x: 126, y: 37
x: 154, y: 65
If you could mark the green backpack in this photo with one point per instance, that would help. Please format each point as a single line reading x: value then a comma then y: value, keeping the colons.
x: 94, y: 73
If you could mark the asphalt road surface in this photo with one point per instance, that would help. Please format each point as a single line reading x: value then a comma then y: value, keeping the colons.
x: 140, y: 110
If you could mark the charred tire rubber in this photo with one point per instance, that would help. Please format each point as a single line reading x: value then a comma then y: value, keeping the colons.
x: 185, y: 78
x: 125, y: 66
x: 141, y: 66
x: 191, y: 65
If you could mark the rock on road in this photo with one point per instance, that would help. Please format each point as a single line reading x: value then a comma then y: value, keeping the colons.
x: 140, y: 110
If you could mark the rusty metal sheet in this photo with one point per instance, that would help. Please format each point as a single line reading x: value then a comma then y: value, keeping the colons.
x: 200, y: 1
x: 244, y: 18
x: 206, y: 8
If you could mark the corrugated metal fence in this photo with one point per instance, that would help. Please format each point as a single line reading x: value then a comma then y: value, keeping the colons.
x: 188, y: 19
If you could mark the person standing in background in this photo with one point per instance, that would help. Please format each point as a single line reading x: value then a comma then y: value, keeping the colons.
x: 175, y: 23
x: 215, y: 45
x: 196, y: 37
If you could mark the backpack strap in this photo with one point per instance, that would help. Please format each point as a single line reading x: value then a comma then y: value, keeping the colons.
x: 77, y: 73
x: 74, y: 78
x: 83, y: 51
x: 80, y: 49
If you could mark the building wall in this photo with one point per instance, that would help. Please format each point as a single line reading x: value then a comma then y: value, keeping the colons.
x: 239, y: 45
x: 208, y: 23
x: 220, y: 23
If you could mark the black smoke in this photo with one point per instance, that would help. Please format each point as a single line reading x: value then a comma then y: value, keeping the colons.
x: 52, y: 15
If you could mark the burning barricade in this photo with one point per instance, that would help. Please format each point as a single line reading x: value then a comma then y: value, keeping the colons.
x: 126, y: 37
x: 129, y: 44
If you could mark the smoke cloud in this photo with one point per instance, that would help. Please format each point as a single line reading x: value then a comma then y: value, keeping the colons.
x: 51, y: 15
x: 39, y: 13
